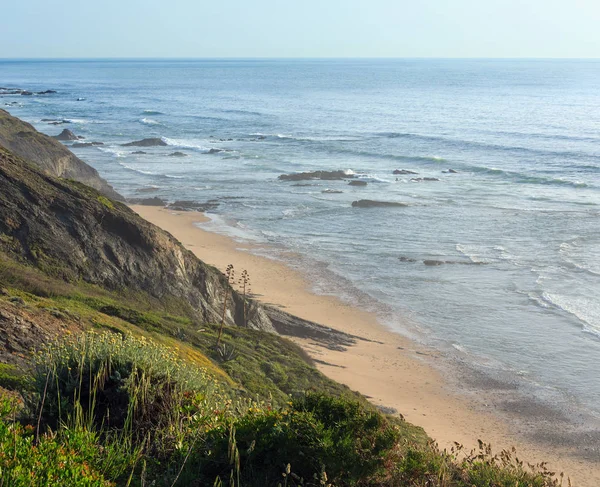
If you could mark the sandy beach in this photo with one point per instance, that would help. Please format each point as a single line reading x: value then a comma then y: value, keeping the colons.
x: 389, y: 369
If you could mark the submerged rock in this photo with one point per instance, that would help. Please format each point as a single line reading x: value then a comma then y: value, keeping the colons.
x: 325, y: 175
x: 375, y: 204
x: 178, y: 154
x: 406, y: 259
x: 139, y: 152
x: 423, y: 179
x: 215, y: 151
x: 155, y: 201
x: 331, y: 191
x: 66, y: 134
x: 190, y: 205
x: 357, y: 183
x: 403, y: 171
x: 81, y: 145
x: 450, y: 171
x: 151, y: 142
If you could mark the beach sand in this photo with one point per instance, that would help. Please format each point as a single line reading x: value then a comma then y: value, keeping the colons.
x: 389, y: 369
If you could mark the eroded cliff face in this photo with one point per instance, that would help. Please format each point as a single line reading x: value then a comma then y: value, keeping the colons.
x: 52, y: 157
x: 73, y: 232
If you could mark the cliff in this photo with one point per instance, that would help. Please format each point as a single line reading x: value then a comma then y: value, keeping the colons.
x: 72, y: 232
x: 52, y: 157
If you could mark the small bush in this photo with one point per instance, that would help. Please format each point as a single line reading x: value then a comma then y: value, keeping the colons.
x: 113, y: 382
x: 319, y: 433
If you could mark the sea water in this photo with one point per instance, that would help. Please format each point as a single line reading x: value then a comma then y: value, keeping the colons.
x: 496, y: 265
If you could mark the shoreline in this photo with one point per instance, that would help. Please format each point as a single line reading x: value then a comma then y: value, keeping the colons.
x: 389, y: 369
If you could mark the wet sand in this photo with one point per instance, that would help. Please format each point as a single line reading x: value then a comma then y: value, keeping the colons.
x: 391, y: 370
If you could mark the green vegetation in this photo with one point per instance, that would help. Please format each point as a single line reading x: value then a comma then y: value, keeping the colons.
x: 114, y: 409
x: 106, y: 202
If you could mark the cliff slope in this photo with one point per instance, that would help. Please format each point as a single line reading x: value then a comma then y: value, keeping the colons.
x: 49, y: 154
x: 72, y: 232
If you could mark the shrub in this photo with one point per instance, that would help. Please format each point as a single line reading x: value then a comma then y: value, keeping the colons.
x: 319, y: 433
x: 111, y: 381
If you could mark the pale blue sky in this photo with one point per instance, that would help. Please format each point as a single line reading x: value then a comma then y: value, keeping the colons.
x: 302, y: 28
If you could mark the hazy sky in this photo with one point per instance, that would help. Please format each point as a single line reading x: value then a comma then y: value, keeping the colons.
x: 301, y: 28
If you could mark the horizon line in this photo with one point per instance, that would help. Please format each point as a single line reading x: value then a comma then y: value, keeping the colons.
x: 296, y: 58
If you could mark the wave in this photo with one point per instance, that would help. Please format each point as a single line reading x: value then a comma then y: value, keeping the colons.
x: 150, y: 121
x: 149, y: 173
x: 186, y: 144
x: 522, y: 178
x: 473, y: 253
x: 583, y: 310
x: 114, y: 152
x: 462, y: 143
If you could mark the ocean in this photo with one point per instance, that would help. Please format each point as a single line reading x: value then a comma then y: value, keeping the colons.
x: 495, y: 264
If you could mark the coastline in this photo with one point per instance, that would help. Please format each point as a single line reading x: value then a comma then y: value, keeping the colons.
x: 391, y: 370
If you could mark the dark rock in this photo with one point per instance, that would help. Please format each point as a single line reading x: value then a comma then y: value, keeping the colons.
x: 450, y: 171
x: 152, y: 142
x: 49, y: 154
x: 432, y: 262
x: 325, y: 175
x: 424, y: 179
x: 357, y: 183
x: 155, y: 201
x: 403, y: 171
x: 375, y: 204
x: 47, y: 92
x: 26, y: 93
x: 178, y: 154
x: 80, y: 145
x: 139, y: 152
x: 17, y: 300
x: 406, y: 259
x: 387, y: 410
x: 66, y: 134
x: 188, y: 205
x: 215, y: 151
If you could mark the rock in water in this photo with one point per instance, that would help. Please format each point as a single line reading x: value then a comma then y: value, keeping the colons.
x: 326, y: 175
x: 155, y: 201
x: 178, y: 154
x: 152, y: 142
x: 66, y: 134
x: 403, y: 171
x: 357, y: 183
x: 375, y: 204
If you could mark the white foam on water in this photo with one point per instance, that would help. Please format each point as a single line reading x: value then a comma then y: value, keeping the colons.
x: 186, y: 144
x: 150, y: 121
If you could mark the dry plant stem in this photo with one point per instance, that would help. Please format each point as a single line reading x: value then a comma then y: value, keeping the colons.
x: 39, y: 421
x: 229, y: 273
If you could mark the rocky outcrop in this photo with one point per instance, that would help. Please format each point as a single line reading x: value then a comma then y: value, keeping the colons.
x: 66, y: 135
x: 52, y: 157
x: 82, y: 145
x: 71, y: 231
x: 325, y: 175
x: 152, y: 142
x: 187, y: 205
x: 376, y: 204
